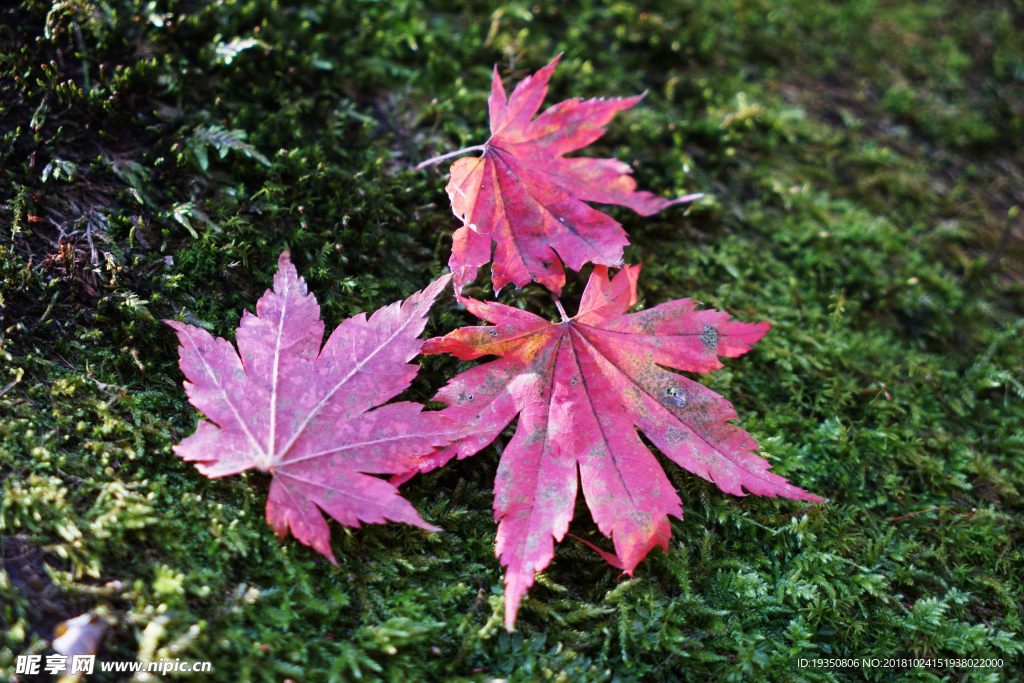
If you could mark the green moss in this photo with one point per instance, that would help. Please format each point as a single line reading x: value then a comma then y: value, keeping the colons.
x: 859, y: 160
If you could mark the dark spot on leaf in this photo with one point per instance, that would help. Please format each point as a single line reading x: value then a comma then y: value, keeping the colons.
x: 676, y: 396
x: 709, y: 338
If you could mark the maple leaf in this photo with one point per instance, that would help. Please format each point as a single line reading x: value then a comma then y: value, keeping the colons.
x: 525, y: 197
x: 582, y: 387
x: 285, y: 406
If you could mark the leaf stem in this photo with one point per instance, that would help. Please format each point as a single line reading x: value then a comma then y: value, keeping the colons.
x: 561, y: 310
x: 436, y: 160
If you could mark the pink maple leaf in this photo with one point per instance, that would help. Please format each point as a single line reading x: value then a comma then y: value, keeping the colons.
x: 283, y: 405
x: 581, y: 388
x: 523, y: 195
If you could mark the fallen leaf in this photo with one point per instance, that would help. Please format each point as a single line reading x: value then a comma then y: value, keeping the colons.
x: 581, y: 388
x: 80, y: 635
x: 300, y: 413
x: 523, y: 195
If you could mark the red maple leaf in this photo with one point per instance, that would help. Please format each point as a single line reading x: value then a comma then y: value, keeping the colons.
x: 300, y: 413
x: 582, y: 387
x: 525, y: 197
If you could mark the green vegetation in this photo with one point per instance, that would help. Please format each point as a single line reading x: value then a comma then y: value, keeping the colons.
x: 863, y: 163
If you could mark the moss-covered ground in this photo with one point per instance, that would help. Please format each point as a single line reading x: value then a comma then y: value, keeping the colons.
x: 861, y: 160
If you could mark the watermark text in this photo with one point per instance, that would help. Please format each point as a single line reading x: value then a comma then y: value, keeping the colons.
x: 86, y: 664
